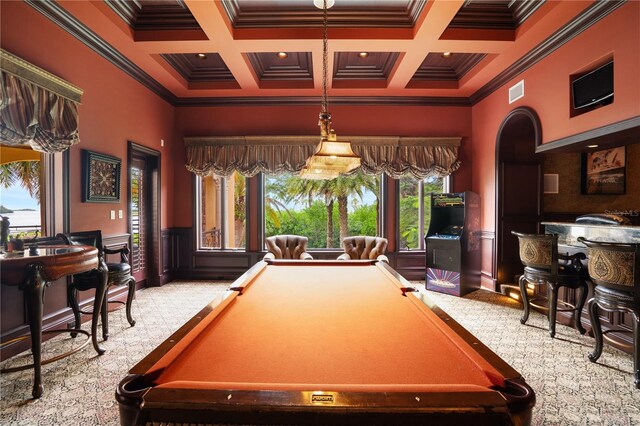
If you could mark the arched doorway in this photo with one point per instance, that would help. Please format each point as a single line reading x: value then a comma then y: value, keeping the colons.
x: 519, y: 180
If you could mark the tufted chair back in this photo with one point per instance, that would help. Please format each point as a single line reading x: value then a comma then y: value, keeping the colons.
x: 539, y: 251
x: 614, y: 265
x: 287, y: 247
x: 361, y: 247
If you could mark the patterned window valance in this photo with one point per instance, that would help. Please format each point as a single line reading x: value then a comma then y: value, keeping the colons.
x: 249, y: 155
x: 37, y: 108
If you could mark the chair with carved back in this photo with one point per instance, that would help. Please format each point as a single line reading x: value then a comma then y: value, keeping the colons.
x: 543, y: 265
x: 119, y: 273
x: 363, y: 247
x: 614, y: 269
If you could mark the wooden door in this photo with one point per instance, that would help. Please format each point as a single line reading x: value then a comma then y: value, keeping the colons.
x: 519, y: 210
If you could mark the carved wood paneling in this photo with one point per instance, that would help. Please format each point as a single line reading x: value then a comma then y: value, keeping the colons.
x: 487, y: 273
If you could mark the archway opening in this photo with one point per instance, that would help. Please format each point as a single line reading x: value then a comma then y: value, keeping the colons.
x: 519, y: 178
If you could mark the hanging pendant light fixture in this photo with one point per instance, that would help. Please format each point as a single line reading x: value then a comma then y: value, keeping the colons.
x: 332, y: 157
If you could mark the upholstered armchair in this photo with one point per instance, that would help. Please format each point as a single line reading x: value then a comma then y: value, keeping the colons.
x: 364, y: 248
x: 287, y: 247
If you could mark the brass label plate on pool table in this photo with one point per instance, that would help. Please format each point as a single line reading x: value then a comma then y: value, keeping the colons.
x: 322, y: 398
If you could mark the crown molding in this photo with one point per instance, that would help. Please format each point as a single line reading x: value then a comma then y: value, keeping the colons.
x: 315, y: 100
x: 77, y: 29
x: 66, y: 21
x: 587, y: 18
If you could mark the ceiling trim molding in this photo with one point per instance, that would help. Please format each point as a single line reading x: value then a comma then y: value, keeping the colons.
x: 311, y: 17
x: 315, y: 100
x: 70, y: 24
x: 580, y: 23
x: 630, y: 126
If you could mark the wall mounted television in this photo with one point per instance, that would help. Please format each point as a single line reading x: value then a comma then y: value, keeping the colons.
x: 594, y: 88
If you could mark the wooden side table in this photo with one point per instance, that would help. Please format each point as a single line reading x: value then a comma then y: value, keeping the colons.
x: 33, y: 273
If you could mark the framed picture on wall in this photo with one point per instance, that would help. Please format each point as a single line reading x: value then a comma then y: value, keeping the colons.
x: 100, y: 178
x: 604, y: 172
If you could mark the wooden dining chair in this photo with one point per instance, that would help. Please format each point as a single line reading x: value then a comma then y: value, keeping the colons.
x: 119, y: 274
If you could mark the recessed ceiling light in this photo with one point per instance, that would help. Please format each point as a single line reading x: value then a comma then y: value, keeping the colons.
x: 201, y: 56
x: 282, y: 55
x: 592, y: 146
x: 446, y: 55
x: 363, y: 54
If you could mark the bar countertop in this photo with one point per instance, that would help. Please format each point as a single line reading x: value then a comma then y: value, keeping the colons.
x: 568, y: 232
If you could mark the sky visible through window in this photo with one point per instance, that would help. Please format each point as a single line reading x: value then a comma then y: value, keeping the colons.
x: 26, y: 210
x: 16, y: 197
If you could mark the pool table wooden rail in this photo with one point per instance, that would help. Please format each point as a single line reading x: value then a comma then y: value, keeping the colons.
x: 140, y: 401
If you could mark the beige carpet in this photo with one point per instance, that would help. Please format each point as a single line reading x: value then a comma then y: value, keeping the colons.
x: 79, y: 390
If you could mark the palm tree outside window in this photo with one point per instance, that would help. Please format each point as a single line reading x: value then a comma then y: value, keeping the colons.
x: 325, y: 211
x: 415, y: 209
x: 21, y: 183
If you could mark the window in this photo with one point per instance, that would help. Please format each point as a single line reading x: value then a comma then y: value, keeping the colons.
x: 222, y: 212
x: 325, y: 211
x: 415, y: 209
x: 22, y: 191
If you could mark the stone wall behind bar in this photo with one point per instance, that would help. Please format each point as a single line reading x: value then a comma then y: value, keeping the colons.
x: 570, y: 200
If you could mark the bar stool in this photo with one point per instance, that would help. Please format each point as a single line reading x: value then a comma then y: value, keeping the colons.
x: 614, y: 268
x: 119, y: 274
x: 544, y: 266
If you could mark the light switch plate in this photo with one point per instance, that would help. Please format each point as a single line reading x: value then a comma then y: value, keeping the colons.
x: 113, y: 214
x: 119, y: 214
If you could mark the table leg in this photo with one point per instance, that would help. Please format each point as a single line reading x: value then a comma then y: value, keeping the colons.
x: 97, y: 305
x: 34, y: 293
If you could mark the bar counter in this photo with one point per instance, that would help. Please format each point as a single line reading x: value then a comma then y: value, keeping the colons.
x: 568, y: 233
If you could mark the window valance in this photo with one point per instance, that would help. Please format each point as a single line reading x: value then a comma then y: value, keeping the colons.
x: 394, y: 155
x: 37, y: 108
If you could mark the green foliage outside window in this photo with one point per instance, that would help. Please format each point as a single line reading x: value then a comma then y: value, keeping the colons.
x: 325, y: 211
x: 409, y: 209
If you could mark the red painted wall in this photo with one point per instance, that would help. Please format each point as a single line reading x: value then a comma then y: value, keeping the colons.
x: 302, y: 120
x: 547, y: 92
x: 115, y: 109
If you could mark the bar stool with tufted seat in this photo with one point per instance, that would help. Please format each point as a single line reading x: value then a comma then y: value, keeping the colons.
x: 614, y: 268
x: 544, y: 266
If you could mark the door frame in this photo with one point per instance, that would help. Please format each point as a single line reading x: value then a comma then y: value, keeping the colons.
x: 154, y: 210
x: 518, y: 113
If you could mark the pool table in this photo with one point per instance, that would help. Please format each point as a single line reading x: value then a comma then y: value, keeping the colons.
x: 323, y: 342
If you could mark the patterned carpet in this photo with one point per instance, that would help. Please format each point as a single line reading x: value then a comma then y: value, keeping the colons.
x: 79, y: 390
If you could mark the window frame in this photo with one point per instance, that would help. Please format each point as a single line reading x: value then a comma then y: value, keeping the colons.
x: 197, y: 220
x: 381, y: 222
x: 447, y: 183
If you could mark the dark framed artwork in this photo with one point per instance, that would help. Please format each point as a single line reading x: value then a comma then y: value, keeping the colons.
x: 604, y: 172
x: 100, y: 178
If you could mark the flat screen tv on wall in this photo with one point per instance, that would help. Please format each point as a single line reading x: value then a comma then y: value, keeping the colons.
x: 593, y: 88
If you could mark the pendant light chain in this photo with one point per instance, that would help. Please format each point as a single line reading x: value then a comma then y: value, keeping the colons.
x: 325, y: 58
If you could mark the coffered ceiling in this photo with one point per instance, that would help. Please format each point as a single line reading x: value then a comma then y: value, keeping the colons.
x: 190, y: 50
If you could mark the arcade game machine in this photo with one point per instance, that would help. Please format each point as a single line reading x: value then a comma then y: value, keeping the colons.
x: 453, y: 243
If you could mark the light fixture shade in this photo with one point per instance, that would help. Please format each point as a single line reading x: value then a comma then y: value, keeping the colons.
x: 332, y: 158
